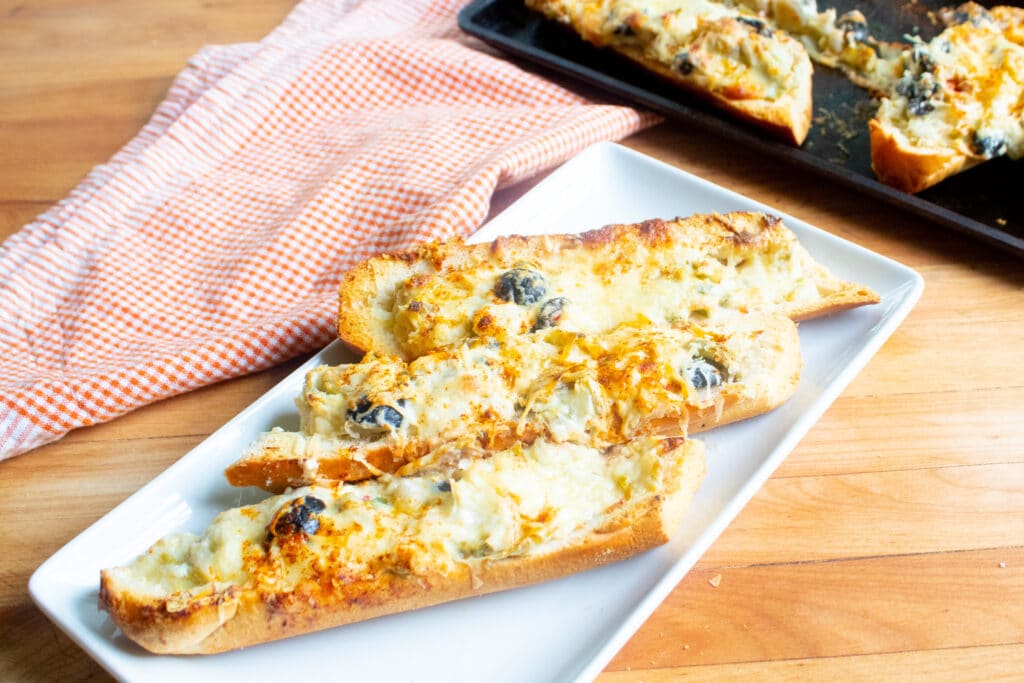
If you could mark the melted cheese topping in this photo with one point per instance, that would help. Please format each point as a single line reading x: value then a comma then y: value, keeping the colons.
x: 629, y: 282
x: 598, y: 389
x: 522, y: 501
x: 719, y: 46
x: 963, y: 91
x: 842, y: 42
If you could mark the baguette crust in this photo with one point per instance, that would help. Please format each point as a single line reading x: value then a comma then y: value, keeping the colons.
x: 412, y: 302
x: 225, y: 617
x: 604, y: 389
x: 911, y: 168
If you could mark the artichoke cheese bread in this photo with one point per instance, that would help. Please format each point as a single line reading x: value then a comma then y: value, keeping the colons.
x: 714, y: 50
x: 386, y: 415
x: 319, y: 557
x: 842, y: 42
x: 958, y: 100
x: 658, y: 272
x: 520, y: 415
x: 947, y: 105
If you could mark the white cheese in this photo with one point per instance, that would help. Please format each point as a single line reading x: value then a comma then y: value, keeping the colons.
x: 526, y: 499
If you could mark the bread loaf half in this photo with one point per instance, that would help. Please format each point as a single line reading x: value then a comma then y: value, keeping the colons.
x: 719, y: 51
x: 320, y: 557
x: 383, y: 414
x: 658, y: 272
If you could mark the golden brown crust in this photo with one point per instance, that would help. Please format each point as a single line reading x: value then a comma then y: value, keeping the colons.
x: 276, y: 471
x: 908, y: 168
x: 234, y: 617
x: 367, y: 292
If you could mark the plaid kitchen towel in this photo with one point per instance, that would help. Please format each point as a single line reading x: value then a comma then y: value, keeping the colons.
x: 211, y: 245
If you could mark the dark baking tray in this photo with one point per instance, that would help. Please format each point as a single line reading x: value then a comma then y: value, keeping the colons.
x: 984, y: 202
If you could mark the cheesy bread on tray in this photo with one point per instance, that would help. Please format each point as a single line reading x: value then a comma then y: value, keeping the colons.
x: 384, y: 415
x: 715, y: 50
x: 319, y: 557
x: 958, y: 100
x: 658, y: 272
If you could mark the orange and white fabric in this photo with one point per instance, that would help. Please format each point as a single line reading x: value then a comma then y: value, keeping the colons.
x: 211, y: 245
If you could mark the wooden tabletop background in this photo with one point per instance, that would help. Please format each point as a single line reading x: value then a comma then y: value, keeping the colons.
x: 888, y: 546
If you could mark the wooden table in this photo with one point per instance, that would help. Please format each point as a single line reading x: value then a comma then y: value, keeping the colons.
x: 888, y: 546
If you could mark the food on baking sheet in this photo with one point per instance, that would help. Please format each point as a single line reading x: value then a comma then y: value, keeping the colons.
x: 716, y: 50
x: 319, y: 557
x: 842, y: 41
x: 958, y: 102
x: 657, y: 272
x: 383, y: 414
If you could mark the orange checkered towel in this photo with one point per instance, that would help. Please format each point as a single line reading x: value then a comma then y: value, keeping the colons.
x: 211, y: 245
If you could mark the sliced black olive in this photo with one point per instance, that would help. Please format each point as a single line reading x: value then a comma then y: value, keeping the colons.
x: 988, y: 146
x: 444, y: 486
x: 522, y: 285
x: 853, y: 24
x: 704, y: 373
x: 682, y: 63
x: 920, y: 107
x: 918, y: 92
x: 298, y: 516
x: 365, y: 414
x: 757, y: 25
x: 314, y: 503
x: 550, y: 313
x: 978, y: 16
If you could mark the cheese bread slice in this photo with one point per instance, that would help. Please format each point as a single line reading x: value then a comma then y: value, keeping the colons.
x: 718, y: 51
x: 320, y: 557
x: 383, y: 414
x: 959, y: 101
x: 658, y: 272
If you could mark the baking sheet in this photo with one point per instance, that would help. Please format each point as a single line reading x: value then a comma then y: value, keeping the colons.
x: 981, y: 202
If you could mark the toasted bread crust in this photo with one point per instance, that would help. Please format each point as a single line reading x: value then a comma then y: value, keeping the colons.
x: 368, y: 292
x: 235, y: 617
x: 908, y: 168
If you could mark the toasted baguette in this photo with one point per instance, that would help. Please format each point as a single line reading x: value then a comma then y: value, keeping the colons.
x: 382, y: 414
x: 958, y: 101
x: 728, y: 58
x: 413, y: 302
x: 302, y: 562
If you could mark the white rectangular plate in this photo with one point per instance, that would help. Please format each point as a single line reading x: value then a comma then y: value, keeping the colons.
x: 562, y: 630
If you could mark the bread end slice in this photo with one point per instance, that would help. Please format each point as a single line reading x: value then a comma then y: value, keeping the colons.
x: 452, y: 285
x: 216, y: 617
x: 367, y: 297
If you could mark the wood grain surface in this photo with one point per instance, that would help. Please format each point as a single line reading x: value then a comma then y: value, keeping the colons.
x: 888, y: 546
